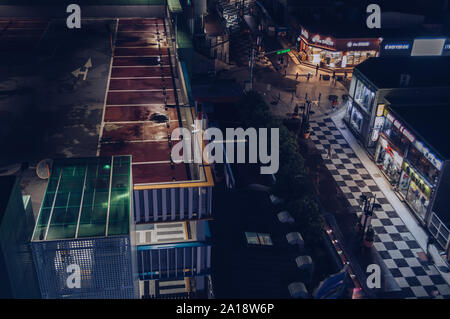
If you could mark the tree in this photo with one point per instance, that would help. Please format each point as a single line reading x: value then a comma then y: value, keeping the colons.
x: 306, y: 212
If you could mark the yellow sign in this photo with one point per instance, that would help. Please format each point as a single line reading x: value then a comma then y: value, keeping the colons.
x: 380, y: 110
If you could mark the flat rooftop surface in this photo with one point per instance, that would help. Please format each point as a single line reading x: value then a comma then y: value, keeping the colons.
x: 141, y: 107
x: 425, y: 71
x: 86, y: 198
x: 45, y: 110
x: 419, y: 118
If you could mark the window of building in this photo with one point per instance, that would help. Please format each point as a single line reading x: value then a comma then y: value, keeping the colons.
x: 364, y: 96
x: 396, y: 137
x: 356, y: 119
x: 258, y: 239
x: 422, y: 164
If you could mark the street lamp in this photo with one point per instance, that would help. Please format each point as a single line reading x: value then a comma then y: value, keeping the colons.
x: 369, y: 206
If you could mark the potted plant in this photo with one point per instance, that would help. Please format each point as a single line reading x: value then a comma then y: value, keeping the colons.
x: 369, y: 237
x: 306, y: 132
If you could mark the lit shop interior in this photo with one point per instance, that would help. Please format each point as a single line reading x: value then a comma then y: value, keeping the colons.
x: 407, y: 163
x: 332, y: 53
x: 363, y: 97
x: 335, y: 59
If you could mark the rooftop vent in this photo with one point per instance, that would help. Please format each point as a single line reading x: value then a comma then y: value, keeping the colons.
x: 298, y: 290
x: 295, y: 238
x: 285, y: 217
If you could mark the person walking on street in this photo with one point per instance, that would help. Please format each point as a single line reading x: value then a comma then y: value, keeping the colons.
x: 296, y: 76
x: 334, y: 75
x: 309, y: 75
x: 320, y: 77
x: 334, y: 104
x: 317, y: 69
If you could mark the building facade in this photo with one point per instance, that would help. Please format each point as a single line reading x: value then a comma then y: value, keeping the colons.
x: 83, y: 241
x: 333, y: 52
x: 17, y: 270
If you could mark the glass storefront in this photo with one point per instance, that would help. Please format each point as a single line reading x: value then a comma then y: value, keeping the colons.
x: 356, y: 119
x: 325, y: 58
x: 422, y: 164
x: 364, y: 96
x: 415, y: 189
x: 357, y: 57
x: 336, y: 59
x: 388, y: 160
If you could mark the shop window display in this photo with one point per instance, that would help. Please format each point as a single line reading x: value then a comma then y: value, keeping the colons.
x: 389, y: 160
x: 417, y: 199
x: 415, y: 190
x: 395, y: 136
x: 364, y: 96
x: 356, y: 119
x: 422, y: 164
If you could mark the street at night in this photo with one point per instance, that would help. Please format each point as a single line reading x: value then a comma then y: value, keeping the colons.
x: 211, y: 150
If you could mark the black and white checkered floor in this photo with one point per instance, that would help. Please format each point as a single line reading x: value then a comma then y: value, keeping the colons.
x: 393, y: 241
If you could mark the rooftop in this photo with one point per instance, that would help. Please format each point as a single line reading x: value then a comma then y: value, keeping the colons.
x: 419, y: 117
x: 427, y: 71
x: 144, y: 106
x: 213, y: 26
x: 86, y: 197
x: 259, y: 271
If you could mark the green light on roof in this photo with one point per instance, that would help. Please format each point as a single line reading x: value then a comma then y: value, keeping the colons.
x: 107, y: 166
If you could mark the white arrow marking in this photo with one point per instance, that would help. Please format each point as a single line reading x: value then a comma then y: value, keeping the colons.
x: 78, y: 71
x: 88, y: 64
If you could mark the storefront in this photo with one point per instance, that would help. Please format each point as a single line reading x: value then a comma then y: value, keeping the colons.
x: 359, y: 106
x: 388, y: 159
x: 393, y: 143
x: 334, y: 53
x: 415, y: 190
x: 407, y: 163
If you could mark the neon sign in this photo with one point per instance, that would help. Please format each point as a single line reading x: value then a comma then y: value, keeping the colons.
x: 327, y: 41
x: 397, y: 46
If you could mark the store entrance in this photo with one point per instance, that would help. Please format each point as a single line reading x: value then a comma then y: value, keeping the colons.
x: 388, y: 160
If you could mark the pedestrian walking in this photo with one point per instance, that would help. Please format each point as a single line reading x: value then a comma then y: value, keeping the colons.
x: 309, y: 75
x: 334, y: 75
x: 296, y: 76
x: 317, y: 69
x: 329, y: 152
x: 320, y: 77
x: 334, y: 104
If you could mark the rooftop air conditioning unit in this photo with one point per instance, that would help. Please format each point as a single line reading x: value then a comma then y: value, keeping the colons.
x: 298, y: 290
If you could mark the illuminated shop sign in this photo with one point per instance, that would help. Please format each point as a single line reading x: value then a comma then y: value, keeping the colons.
x: 403, y: 46
x: 351, y: 44
x: 326, y: 41
x: 428, y: 155
x: 419, y: 145
x: 401, y: 128
x: 380, y: 109
x: 379, y: 121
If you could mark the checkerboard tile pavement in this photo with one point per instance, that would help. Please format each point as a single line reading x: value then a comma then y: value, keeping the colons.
x: 393, y: 241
